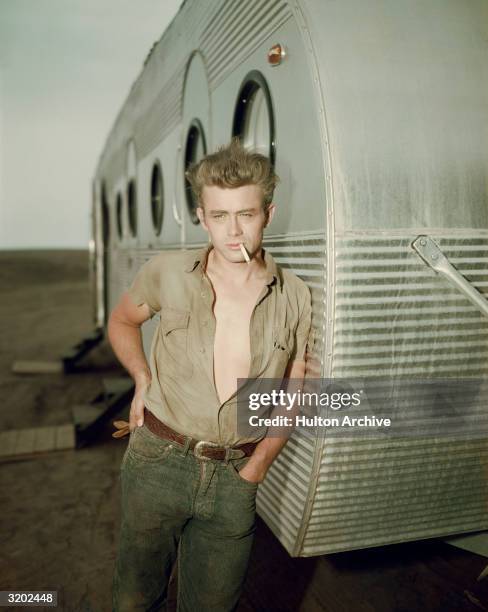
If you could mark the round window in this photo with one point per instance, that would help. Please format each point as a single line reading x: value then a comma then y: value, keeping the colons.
x: 118, y: 209
x: 105, y: 217
x: 157, y: 198
x: 195, y: 149
x: 254, y: 117
x: 132, y: 206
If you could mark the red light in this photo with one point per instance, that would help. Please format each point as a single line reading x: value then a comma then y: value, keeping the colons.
x: 276, y: 54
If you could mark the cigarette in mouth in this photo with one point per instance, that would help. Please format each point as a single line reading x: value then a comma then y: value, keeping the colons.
x: 245, y: 253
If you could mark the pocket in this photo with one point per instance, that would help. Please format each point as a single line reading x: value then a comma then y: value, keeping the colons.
x: 278, y: 352
x: 172, y: 319
x: 174, y: 330
x: 146, y: 446
x: 282, y: 350
x: 234, y: 470
x: 282, y: 340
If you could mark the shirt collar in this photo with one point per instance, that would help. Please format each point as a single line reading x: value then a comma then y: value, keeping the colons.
x: 198, y: 258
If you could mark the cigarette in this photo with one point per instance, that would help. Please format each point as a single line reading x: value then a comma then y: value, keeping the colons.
x: 245, y: 253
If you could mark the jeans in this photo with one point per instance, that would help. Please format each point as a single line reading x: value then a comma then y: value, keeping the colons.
x: 177, y: 506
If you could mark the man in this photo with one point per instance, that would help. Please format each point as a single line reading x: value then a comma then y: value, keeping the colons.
x: 189, y: 478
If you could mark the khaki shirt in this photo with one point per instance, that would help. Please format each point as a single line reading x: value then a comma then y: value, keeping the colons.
x: 182, y: 391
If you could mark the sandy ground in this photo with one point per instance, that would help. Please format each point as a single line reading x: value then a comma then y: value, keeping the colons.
x: 60, y: 511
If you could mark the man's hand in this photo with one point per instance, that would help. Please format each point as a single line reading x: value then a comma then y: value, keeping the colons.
x: 253, y: 471
x: 136, y: 415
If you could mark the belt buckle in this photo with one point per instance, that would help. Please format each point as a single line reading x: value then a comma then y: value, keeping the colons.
x: 198, y: 446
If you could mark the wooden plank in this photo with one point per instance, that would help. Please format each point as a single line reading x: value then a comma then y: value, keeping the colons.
x: 25, y: 441
x: 8, y: 441
x: 65, y: 436
x: 34, y: 440
x: 45, y: 439
x: 37, y: 367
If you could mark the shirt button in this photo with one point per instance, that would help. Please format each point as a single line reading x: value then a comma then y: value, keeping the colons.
x: 202, y: 350
x: 205, y: 323
x: 202, y: 293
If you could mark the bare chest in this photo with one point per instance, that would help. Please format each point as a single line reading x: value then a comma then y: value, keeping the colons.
x: 233, y: 311
x: 234, y: 308
x: 232, y: 351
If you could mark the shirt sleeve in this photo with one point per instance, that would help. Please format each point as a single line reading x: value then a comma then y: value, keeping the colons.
x: 145, y: 288
x: 304, y: 328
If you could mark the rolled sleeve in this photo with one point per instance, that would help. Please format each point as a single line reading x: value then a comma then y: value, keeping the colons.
x: 145, y: 288
x: 304, y: 328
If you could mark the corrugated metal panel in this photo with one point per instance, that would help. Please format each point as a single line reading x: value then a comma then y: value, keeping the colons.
x: 235, y: 30
x: 374, y: 493
x: 395, y: 317
x: 163, y: 114
x: 282, y: 496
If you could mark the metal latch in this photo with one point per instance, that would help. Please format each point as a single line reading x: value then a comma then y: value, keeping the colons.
x: 430, y: 252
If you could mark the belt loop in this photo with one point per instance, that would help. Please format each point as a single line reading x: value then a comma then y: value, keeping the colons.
x: 227, y: 453
x: 186, y: 445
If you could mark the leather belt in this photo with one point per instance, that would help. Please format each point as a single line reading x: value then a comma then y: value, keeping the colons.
x: 202, y: 449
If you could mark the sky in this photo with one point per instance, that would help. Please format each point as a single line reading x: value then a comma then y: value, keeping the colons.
x: 66, y: 67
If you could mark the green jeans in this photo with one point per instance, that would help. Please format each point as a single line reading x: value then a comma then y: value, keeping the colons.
x: 175, y: 505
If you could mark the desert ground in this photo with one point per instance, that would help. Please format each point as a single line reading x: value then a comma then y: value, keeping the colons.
x: 60, y: 509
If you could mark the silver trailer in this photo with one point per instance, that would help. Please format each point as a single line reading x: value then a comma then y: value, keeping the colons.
x: 375, y: 113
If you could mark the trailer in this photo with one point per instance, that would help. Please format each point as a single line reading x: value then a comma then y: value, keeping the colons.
x: 375, y: 115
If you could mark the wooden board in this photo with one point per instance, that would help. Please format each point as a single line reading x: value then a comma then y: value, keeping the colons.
x: 31, y: 440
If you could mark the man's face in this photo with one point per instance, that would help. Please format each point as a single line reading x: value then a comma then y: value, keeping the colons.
x: 234, y: 216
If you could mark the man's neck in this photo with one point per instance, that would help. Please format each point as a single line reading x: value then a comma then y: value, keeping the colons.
x: 238, y: 273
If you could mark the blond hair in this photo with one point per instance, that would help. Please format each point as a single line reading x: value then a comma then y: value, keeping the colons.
x: 233, y: 166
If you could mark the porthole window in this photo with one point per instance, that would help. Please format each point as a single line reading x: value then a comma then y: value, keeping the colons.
x: 254, y: 117
x: 105, y: 217
x: 195, y: 149
x: 118, y: 210
x: 157, y: 198
x: 132, y: 207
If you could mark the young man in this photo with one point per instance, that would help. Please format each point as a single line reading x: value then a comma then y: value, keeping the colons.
x: 188, y: 478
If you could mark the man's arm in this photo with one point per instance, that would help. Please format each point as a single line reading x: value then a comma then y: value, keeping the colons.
x: 124, y: 334
x: 270, y: 447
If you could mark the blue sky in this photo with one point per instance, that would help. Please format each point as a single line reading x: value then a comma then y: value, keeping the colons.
x: 66, y: 67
